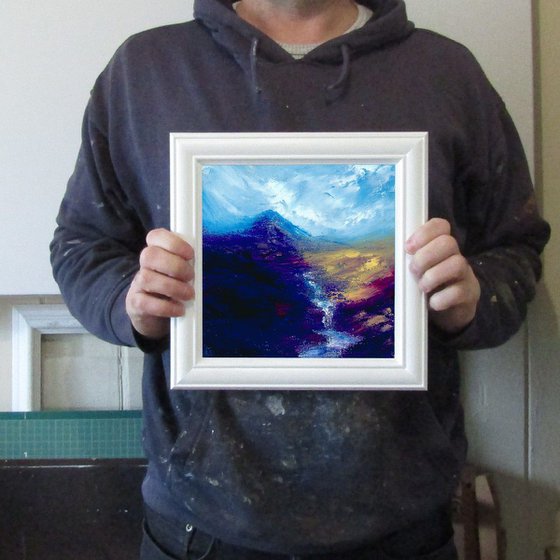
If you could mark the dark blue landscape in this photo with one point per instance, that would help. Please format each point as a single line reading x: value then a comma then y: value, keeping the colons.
x: 268, y: 292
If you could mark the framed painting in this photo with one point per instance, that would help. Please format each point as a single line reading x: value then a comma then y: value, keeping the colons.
x: 301, y: 277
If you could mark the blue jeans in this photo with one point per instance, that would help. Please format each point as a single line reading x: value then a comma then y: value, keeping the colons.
x: 166, y: 540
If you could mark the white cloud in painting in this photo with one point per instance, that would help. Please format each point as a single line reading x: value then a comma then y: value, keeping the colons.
x: 330, y: 200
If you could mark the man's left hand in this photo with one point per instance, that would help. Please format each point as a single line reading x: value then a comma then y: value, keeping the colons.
x: 443, y: 273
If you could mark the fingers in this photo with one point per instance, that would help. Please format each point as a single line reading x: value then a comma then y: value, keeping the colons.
x: 157, y: 294
x: 166, y: 267
x: 444, y: 274
x: 162, y: 285
x: 436, y: 258
x: 163, y: 262
x: 426, y: 233
x: 440, y: 259
x: 170, y: 242
x: 453, y: 296
x: 454, y: 306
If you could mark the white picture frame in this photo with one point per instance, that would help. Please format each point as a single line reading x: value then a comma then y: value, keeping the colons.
x: 30, y: 322
x: 196, y: 158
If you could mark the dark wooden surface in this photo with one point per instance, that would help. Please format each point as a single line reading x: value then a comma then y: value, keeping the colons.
x: 70, y: 509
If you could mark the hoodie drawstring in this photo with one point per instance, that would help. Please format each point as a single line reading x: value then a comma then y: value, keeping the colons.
x: 344, y: 72
x: 334, y: 88
x: 254, y: 71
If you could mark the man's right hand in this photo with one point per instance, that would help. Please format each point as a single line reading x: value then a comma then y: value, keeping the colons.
x: 162, y: 285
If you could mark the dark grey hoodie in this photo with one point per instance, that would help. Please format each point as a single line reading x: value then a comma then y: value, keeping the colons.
x: 333, y: 470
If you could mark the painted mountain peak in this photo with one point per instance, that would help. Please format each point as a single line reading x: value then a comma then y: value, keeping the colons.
x: 269, y: 220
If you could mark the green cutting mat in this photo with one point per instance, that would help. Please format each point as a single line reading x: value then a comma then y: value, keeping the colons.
x: 70, y: 435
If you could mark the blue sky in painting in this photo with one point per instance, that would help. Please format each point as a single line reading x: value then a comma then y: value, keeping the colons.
x: 337, y: 202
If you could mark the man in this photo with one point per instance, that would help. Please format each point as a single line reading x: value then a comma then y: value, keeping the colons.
x: 338, y: 474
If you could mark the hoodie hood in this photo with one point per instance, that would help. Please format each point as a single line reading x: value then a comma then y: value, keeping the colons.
x: 389, y: 24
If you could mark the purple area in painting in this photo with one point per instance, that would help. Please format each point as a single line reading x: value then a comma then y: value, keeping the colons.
x: 267, y: 292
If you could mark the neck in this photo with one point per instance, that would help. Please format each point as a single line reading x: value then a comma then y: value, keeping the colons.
x: 299, y: 21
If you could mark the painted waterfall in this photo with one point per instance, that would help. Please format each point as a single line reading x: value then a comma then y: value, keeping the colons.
x: 298, y: 260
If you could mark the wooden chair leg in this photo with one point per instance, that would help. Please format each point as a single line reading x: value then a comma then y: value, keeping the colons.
x: 478, y: 531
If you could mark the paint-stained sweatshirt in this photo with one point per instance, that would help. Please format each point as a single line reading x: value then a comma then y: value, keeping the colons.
x: 301, y: 471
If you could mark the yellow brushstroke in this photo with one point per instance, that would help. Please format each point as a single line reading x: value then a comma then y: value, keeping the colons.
x: 372, y: 264
x: 353, y: 270
x: 375, y: 320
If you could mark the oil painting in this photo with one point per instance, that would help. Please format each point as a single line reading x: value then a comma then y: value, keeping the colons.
x: 299, y: 259
x: 300, y: 276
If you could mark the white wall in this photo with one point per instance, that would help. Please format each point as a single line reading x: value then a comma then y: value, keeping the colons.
x: 544, y: 335
x: 50, y: 54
